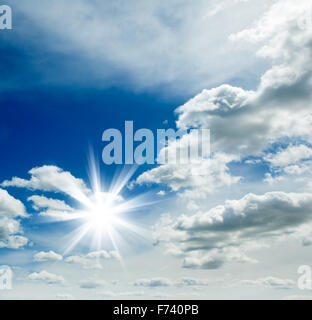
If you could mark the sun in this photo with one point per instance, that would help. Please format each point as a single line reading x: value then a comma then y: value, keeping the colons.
x: 103, y: 213
x: 104, y: 210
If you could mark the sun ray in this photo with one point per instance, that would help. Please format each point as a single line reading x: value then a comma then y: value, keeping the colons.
x: 103, y: 214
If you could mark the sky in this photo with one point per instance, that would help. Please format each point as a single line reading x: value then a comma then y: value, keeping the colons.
x: 237, y: 225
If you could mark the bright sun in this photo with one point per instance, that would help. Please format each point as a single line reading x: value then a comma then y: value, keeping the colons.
x: 103, y: 214
x: 104, y: 210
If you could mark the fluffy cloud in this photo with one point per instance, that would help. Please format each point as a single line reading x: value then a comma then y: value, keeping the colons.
x: 47, y: 277
x: 291, y: 155
x: 11, y: 207
x: 226, y: 232
x: 10, y: 228
x: 92, y: 260
x: 47, y: 256
x: 54, y: 208
x: 246, y: 122
x: 243, y: 122
x: 50, y: 178
x: 40, y: 202
x: 210, y: 174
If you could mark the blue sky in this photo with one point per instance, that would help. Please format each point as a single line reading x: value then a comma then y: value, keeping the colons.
x: 237, y: 225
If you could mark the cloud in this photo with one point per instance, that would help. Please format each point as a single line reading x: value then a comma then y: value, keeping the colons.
x: 11, y: 207
x: 152, y: 283
x: 271, y: 282
x: 190, y: 282
x: 291, y: 155
x: 50, y: 178
x: 47, y: 256
x: 165, y: 282
x: 10, y: 228
x: 226, y: 232
x: 244, y: 122
x: 47, y: 277
x: 294, y: 162
x: 161, y: 193
x: 92, y: 260
x: 40, y: 202
x: 210, y: 175
x: 154, y: 45
x: 91, y: 284
x: 54, y: 208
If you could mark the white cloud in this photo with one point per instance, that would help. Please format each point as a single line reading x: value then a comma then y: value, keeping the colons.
x: 246, y: 122
x: 47, y: 277
x: 47, y: 256
x: 161, y: 193
x: 11, y: 207
x: 210, y: 175
x: 190, y: 282
x: 42, y: 202
x: 92, y: 260
x: 291, y: 155
x: 156, y: 44
x: 50, y: 178
x: 10, y: 228
x: 270, y: 282
x: 225, y: 233
x: 152, y: 283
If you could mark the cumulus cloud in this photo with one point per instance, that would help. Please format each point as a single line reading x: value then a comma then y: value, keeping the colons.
x: 52, y: 208
x: 247, y: 121
x: 45, y: 276
x: 10, y: 229
x: 50, y: 178
x: 42, y: 202
x: 47, y: 256
x: 244, y: 122
x: 291, y: 155
x: 211, y: 174
x: 226, y: 232
x: 92, y: 260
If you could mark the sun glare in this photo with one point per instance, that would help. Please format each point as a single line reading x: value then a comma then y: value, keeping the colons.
x: 103, y: 214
